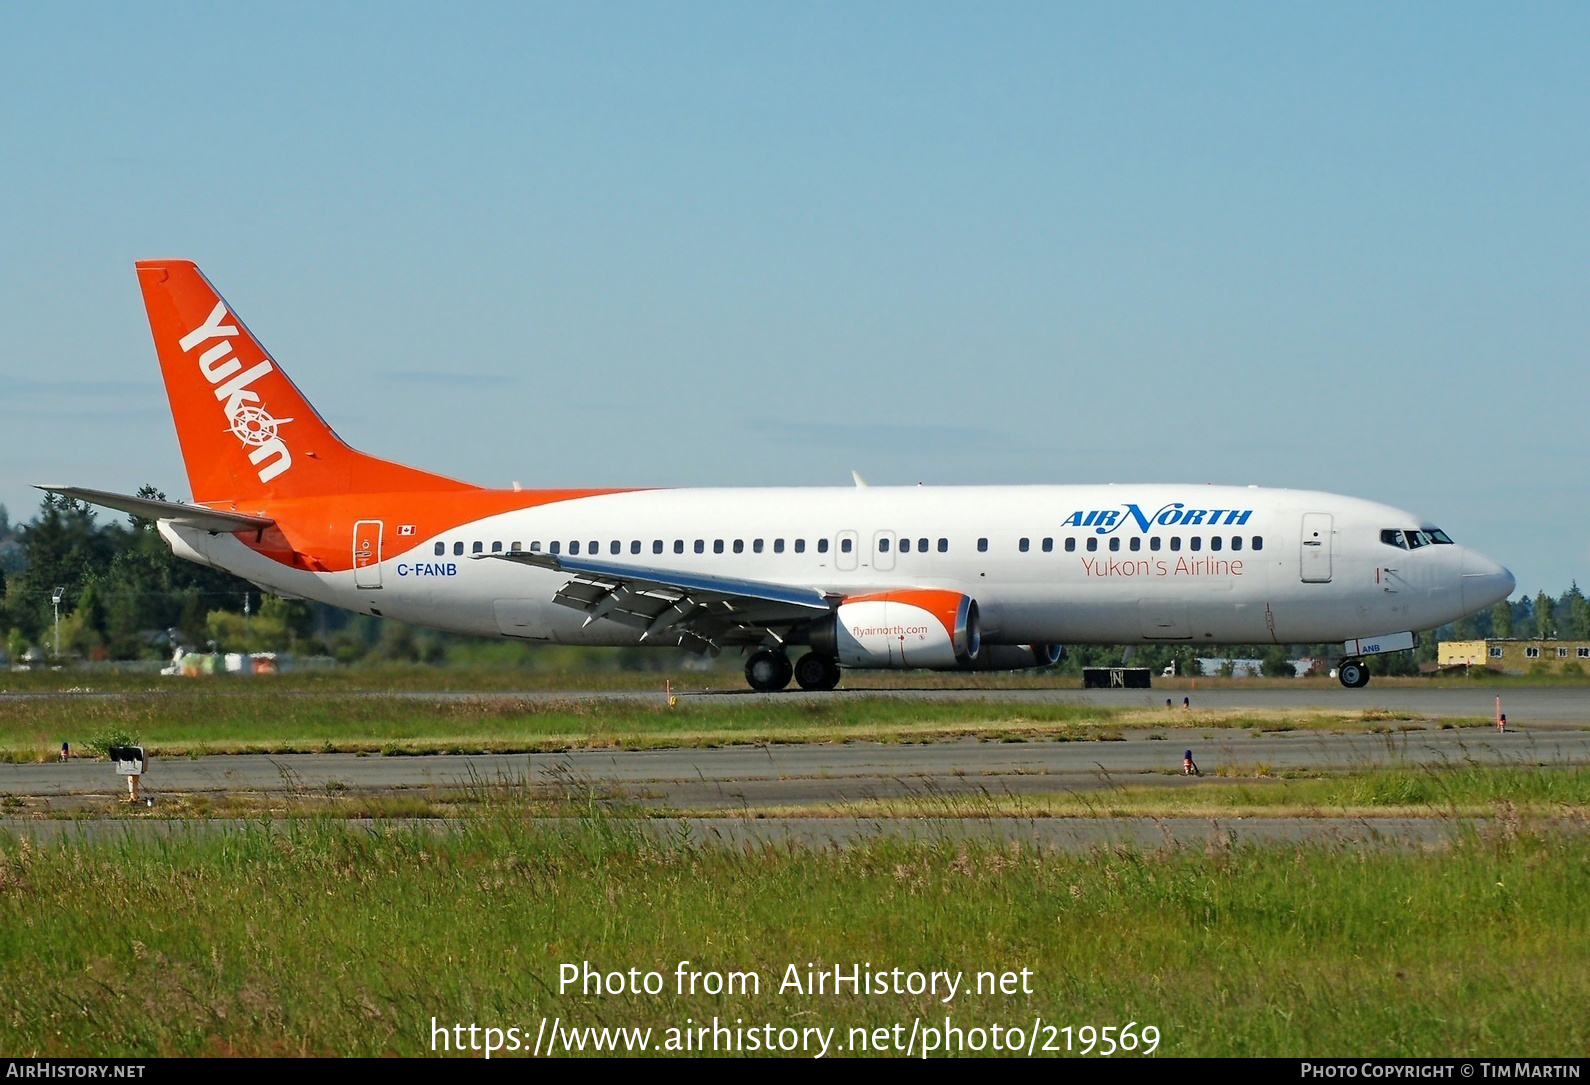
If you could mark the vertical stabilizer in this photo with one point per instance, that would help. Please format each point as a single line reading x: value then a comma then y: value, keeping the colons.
x: 246, y: 431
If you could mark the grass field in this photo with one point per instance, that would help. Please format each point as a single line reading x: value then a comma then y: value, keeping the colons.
x: 247, y: 718
x: 320, y: 937
x: 301, y: 931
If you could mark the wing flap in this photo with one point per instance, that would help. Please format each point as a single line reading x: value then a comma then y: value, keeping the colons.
x: 665, y: 604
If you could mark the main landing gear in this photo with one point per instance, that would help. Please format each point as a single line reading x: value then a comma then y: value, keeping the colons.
x: 1353, y: 673
x: 816, y: 671
x: 768, y: 671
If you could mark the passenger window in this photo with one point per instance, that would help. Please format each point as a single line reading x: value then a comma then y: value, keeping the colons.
x: 1175, y: 542
x: 634, y: 546
x: 944, y: 546
x: 679, y: 546
x: 441, y: 548
x: 1236, y: 542
x: 535, y: 547
x: 739, y: 546
x: 1023, y: 546
x: 1071, y: 545
x: 1115, y: 542
x: 496, y: 548
x: 883, y: 546
x: 477, y: 548
x: 701, y: 546
x: 1048, y: 545
x: 594, y: 548
x: 1093, y: 544
x: 574, y: 547
x: 1196, y: 543
x: 1153, y: 542
x: 557, y: 547
x: 1258, y: 542
x: 656, y: 546
x: 756, y: 545
x: 615, y: 547
x: 905, y: 546
x: 517, y: 546
x: 822, y: 546
x: 800, y: 546
x: 982, y: 546
x: 1137, y: 542
x: 845, y: 545
x: 922, y: 546
x: 778, y: 546
x: 458, y: 548
x: 717, y: 546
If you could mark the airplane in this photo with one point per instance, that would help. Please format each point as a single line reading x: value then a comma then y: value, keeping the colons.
x: 880, y: 577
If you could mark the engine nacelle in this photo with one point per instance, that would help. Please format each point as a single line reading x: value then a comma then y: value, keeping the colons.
x: 924, y: 627
x: 1012, y: 657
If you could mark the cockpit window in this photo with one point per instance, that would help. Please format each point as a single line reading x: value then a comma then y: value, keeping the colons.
x: 1393, y: 537
x: 1416, y: 539
x: 1437, y: 536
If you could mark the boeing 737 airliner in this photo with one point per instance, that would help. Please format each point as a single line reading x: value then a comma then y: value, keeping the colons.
x: 948, y: 578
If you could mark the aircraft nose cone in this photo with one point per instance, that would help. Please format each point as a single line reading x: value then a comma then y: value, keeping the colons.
x: 1484, y: 582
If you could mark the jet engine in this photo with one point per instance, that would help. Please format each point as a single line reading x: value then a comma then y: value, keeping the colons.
x: 926, y: 627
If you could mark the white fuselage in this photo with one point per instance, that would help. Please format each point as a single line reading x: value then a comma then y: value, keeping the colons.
x: 1045, y: 564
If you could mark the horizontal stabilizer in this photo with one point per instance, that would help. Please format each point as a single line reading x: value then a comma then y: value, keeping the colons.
x: 171, y: 511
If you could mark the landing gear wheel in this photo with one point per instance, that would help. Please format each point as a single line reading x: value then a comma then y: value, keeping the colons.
x: 768, y: 671
x: 816, y: 671
x: 1353, y: 673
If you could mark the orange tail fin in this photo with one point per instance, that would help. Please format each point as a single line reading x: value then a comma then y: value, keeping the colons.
x: 246, y: 431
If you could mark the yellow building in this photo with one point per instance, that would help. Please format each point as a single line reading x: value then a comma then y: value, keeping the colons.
x: 1515, y: 656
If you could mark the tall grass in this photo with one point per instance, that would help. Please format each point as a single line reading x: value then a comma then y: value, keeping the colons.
x: 321, y: 937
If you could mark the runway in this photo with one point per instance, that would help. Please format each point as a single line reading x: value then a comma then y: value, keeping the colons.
x: 1524, y: 706
x: 740, y: 776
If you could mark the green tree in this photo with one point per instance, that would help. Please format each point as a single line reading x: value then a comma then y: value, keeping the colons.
x: 1278, y: 664
x: 1502, y: 620
x: 1575, y: 613
x: 1545, y: 624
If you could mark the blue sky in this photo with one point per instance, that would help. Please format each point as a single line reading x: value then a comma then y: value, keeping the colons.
x: 1335, y: 246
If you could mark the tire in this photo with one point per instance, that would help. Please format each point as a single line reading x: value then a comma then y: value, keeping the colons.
x: 768, y: 671
x: 1353, y: 673
x: 816, y: 671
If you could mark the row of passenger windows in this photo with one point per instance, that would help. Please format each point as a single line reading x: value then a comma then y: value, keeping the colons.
x: 1155, y: 542
x: 846, y: 545
x: 657, y: 546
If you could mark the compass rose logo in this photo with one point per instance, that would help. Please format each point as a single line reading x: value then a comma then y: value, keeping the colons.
x: 255, y: 426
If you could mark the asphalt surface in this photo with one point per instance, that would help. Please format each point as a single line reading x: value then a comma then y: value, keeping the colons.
x: 736, y: 776
x: 1548, y: 727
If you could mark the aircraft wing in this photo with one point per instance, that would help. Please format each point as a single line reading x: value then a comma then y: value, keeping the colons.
x: 702, y: 612
x: 173, y: 511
